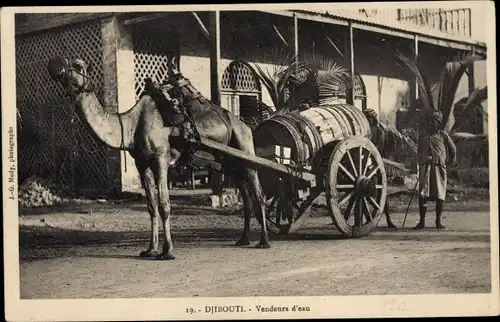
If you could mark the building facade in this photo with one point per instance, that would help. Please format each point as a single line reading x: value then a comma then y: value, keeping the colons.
x: 218, y: 52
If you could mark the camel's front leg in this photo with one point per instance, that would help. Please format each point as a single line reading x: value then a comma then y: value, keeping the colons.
x: 148, y: 183
x: 161, y: 169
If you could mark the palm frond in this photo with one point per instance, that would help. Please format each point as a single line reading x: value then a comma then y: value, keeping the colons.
x: 471, y: 103
x: 307, y: 91
x: 277, y: 78
x: 450, y: 80
x: 332, y: 80
x: 269, y: 82
x: 397, y: 142
x: 426, y: 100
x: 469, y: 137
x: 395, y: 168
x: 317, y: 80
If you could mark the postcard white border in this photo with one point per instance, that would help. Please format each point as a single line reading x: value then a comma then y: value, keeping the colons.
x: 430, y: 305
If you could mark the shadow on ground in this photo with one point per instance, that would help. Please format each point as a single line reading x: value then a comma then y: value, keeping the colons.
x: 181, y: 204
x: 32, y: 238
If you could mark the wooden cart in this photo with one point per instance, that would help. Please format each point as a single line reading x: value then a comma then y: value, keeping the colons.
x: 330, y: 152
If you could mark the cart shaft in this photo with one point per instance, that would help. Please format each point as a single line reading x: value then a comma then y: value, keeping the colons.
x: 258, y: 162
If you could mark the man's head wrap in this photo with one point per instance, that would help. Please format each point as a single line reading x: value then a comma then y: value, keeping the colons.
x: 303, y: 106
x: 371, y: 114
x: 436, y: 116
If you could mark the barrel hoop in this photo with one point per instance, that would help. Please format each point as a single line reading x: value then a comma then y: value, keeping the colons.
x: 283, y: 121
x: 362, y: 121
x: 317, y: 128
x: 335, y: 132
x: 339, y: 114
x: 353, y: 118
x: 316, y: 137
x: 349, y: 116
x: 313, y: 141
x: 300, y: 131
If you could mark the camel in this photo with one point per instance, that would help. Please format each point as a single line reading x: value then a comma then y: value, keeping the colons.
x: 155, y: 146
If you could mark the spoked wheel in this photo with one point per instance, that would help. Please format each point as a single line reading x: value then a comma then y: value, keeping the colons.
x: 356, y: 186
x: 285, y: 215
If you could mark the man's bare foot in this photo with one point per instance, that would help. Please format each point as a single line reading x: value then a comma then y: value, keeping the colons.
x: 419, y: 226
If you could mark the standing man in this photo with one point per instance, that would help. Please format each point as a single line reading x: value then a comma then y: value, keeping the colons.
x: 435, y: 151
x: 381, y: 140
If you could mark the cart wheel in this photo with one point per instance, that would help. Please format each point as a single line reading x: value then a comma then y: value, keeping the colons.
x: 356, y: 186
x: 285, y: 215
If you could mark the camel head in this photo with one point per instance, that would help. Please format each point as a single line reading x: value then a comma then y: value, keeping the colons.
x: 71, y: 74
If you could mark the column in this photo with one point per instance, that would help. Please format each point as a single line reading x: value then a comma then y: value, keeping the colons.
x: 296, y: 38
x: 215, y: 75
x: 216, y: 178
x: 110, y: 95
x: 119, y: 95
x: 349, y: 61
x: 414, y: 80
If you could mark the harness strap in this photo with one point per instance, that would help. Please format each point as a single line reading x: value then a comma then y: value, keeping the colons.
x: 196, y: 95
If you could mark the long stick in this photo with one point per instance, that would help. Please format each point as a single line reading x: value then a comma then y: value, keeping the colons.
x: 411, y: 198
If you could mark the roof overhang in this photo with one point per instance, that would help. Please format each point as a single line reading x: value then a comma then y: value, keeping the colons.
x: 402, y: 31
x: 394, y: 29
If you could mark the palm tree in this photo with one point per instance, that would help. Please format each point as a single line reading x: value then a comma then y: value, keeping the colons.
x: 291, y: 81
x: 279, y: 78
x: 316, y: 81
x: 455, y: 116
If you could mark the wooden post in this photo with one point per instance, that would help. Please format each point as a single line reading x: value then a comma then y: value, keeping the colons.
x: 349, y: 62
x: 296, y: 38
x: 214, y: 31
x: 215, y: 80
x: 125, y: 83
x: 415, y: 56
x: 110, y: 35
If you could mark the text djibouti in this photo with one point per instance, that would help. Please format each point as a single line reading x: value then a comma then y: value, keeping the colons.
x: 223, y: 309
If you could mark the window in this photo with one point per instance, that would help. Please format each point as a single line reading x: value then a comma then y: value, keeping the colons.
x: 241, y: 91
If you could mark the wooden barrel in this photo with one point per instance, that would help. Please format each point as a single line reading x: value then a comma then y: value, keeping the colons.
x: 306, y: 132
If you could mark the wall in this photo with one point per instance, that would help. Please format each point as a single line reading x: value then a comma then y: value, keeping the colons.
x: 478, y: 25
x: 58, y: 144
x: 386, y: 83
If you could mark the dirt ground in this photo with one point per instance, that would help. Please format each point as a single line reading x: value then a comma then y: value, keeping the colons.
x: 91, y: 251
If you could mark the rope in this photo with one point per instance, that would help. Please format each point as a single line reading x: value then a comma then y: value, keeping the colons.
x: 122, y: 144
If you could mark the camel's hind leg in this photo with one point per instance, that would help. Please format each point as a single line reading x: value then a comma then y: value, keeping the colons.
x: 148, y: 183
x: 259, y: 206
x: 243, y: 140
x: 247, y: 208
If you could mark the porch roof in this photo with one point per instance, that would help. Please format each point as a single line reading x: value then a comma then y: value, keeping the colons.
x: 388, y: 28
x: 360, y: 23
